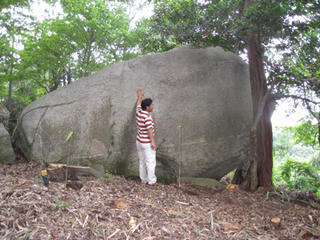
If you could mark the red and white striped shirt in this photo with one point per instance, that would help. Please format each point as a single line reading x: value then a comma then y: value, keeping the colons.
x: 144, y: 122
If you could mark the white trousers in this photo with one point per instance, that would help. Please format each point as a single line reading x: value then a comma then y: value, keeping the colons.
x: 147, y: 162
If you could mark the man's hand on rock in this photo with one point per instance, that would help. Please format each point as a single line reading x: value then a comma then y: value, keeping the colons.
x: 140, y: 93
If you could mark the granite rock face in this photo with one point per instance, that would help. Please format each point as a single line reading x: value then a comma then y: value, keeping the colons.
x: 6, y: 150
x: 202, y: 115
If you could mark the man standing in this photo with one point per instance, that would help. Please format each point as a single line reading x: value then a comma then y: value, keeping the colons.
x: 146, y: 144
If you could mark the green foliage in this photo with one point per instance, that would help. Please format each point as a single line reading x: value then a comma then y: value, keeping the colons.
x: 63, y: 204
x: 110, y: 175
x: 36, y: 178
x: 307, y: 133
x: 13, y: 3
x: 300, y: 175
x: 27, y: 234
x: 282, y: 144
x: 222, y: 23
x: 111, y: 178
x: 81, y: 41
x: 100, y: 231
x: 316, y: 161
x: 302, y: 74
x: 284, y: 147
x: 40, y: 56
x: 69, y: 136
x: 151, y: 41
x: 304, y: 63
x: 19, y: 105
x: 13, y: 89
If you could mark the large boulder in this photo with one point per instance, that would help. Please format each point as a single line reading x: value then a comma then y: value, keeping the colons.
x: 6, y: 150
x: 202, y: 115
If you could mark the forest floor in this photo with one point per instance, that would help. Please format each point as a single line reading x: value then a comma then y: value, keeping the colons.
x: 119, y: 208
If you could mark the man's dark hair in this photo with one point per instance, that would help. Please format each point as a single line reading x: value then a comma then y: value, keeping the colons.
x: 146, y: 103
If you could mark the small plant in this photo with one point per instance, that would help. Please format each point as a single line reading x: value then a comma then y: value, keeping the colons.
x: 99, y: 230
x: 267, y: 195
x: 202, y: 203
x: 102, y: 179
x: 318, y: 193
x: 173, y: 196
x: 68, y: 137
x: 198, y: 231
x: 110, y: 175
x: 210, y: 237
x: 63, y: 204
x: 35, y: 179
x: 245, y: 234
x: 27, y: 234
x: 110, y: 179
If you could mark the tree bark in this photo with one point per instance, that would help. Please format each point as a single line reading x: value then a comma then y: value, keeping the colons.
x: 261, y: 163
x: 9, y: 96
x: 319, y: 134
x: 10, y: 82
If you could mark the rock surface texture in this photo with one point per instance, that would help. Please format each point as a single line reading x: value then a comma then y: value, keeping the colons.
x: 202, y: 115
x: 6, y: 150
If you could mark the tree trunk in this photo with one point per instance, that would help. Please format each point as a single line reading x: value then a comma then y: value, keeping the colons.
x: 260, y: 170
x: 319, y: 133
x: 265, y: 174
x: 9, y: 96
x: 10, y: 83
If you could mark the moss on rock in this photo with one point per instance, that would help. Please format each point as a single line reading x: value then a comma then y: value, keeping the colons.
x: 202, y: 181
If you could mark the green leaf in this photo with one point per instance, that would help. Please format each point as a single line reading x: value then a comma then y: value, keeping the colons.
x: 69, y: 136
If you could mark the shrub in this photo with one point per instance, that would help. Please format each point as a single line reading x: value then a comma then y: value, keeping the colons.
x: 299, y: 175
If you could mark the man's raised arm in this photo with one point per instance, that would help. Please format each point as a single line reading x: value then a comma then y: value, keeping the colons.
x: 140, y: 95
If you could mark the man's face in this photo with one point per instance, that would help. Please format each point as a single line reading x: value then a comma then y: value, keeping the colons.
x: 150, y: 108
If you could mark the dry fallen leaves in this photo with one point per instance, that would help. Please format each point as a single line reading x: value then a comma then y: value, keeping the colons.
x: 126, y: 209
x: 132, y: 222
x: 229, y: 226
x: 121, y: 204
x: 232, y: 187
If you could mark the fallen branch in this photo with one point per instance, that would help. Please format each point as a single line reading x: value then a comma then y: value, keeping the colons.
x: 85, y: 170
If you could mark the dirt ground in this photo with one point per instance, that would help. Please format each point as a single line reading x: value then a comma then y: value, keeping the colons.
x: 118, y: 208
